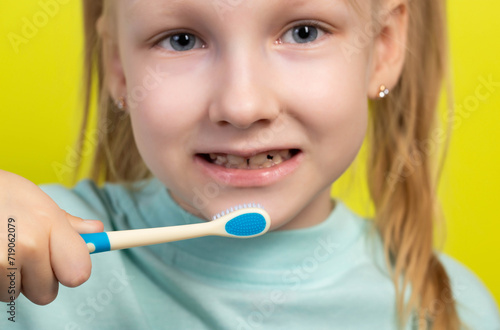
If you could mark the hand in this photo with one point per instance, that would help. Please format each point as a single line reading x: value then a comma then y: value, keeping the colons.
x: 40, y: 245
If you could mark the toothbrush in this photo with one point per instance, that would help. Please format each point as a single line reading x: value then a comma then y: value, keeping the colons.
x: 243, y: 221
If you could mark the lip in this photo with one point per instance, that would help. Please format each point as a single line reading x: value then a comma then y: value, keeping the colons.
x: 248, y: 178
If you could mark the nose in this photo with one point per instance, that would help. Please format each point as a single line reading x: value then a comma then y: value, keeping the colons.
x: 243, y: 92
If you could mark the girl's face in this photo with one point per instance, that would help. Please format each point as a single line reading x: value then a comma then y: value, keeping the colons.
x: 243, y: 101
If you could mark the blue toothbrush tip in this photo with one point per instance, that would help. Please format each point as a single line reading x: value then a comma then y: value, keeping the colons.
x: 248, y: 224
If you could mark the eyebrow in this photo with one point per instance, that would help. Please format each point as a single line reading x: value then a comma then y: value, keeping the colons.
x: 164, y: 7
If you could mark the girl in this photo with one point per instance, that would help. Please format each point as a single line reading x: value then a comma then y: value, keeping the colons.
x: 209, y: 104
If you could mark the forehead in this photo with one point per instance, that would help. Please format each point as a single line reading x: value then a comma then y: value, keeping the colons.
x: 170, y: 6
x: 154, y: 14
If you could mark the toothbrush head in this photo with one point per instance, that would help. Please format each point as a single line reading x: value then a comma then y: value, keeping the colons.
x: 244, y: 221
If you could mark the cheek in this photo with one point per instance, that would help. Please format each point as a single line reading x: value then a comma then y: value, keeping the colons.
x: 164, y: 121
x: 330, y: 97
x: 330, y: 100
x: 165, y: 109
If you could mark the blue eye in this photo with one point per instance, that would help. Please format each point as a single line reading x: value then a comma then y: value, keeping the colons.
x: 302, y: 34
x: 181, y: 42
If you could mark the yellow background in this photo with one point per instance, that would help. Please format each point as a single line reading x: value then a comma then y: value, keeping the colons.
x: 40, y: 84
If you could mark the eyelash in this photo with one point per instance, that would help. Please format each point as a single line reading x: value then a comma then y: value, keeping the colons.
x: 313, y: 24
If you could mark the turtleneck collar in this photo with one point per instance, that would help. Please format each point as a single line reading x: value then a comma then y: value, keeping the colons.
x: 265, y: 259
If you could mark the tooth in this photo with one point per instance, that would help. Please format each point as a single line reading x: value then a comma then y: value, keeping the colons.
x: 221, y: 160
x: 285, y: 154
x: 258, y: 160
x: 262, y: 160
x: 267, y: 164
x: 277, y: 159
x: 252, y: 166
x: 235, y: 160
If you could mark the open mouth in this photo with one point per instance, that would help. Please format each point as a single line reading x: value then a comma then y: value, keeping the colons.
x: 262, y: 160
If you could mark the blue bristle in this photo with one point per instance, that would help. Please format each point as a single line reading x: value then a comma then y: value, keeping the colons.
x: 247, y: 224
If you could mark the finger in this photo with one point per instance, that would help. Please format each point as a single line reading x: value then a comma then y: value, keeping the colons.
x: 38, y: 281
x: 69, y: 256
x: 85, y: 226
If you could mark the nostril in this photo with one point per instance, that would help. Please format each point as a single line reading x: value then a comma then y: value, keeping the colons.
x: 243, y: 109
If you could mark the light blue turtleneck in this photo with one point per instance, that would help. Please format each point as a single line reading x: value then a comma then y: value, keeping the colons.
x: 330, y: 276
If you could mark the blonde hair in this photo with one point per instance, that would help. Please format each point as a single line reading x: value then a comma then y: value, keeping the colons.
x: 402, y: 184
x: 401, y: 181
x: 116, y: 158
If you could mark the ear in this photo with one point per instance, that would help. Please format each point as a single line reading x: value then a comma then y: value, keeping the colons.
x: 389, y: 46
x: 114, y: 77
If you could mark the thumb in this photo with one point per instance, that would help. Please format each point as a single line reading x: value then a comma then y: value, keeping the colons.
x: 84, y: 226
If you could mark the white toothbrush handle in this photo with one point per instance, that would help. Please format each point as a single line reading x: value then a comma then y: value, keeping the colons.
x: 124, y: 239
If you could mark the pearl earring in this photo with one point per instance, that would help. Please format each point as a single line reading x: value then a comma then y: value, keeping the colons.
x: 384, y: 91
x: 121, y: 103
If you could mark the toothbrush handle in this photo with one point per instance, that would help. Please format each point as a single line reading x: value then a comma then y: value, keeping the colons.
x: 124, y: 239
x: 97, y: 242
